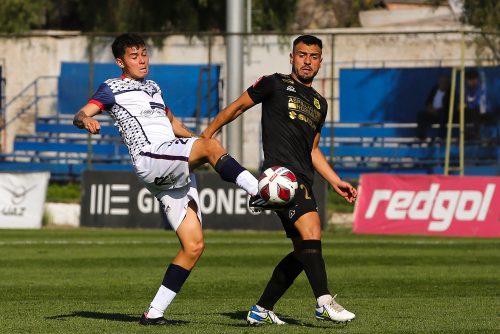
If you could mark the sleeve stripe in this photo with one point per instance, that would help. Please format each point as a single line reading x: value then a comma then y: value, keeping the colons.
x: 97, y: 103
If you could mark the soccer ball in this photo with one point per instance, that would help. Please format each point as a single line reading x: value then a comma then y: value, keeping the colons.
x: 277, y: 185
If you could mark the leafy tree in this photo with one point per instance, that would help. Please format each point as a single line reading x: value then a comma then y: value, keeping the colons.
x: 151, y: 15
x: 20, y: 15
x: 272, y: 15
x: 485, y: 14
x: 194, y: 15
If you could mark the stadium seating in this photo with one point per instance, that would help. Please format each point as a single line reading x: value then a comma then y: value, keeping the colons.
x: 353, y: 145
x: 393, y: 147
x: 66, y: 151
x: 63, y: 149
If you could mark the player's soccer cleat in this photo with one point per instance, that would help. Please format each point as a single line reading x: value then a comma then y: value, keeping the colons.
x: 258, y: 316
x: 257, y: 204
x: 333, y: 311
x: 145, y: 321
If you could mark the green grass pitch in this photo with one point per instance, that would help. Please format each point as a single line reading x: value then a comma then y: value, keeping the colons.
x: 100, y: 281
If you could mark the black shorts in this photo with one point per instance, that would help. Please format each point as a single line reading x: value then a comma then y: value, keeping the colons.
x: 304, y: 202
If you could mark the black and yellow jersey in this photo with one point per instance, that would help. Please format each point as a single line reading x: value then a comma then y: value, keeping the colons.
x: 292, y: 115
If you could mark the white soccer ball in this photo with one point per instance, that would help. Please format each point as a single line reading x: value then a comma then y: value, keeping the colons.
x: 277, y: 185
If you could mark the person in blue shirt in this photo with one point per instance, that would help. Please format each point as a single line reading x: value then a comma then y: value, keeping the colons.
x: 477, y: 109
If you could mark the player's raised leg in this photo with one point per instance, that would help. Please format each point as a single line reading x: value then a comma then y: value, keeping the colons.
x: 211, y: 151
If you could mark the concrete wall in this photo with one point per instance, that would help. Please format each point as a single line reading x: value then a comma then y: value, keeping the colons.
x: 27, y: 58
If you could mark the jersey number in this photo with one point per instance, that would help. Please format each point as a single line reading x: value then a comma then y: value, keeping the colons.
x: 303, y: 187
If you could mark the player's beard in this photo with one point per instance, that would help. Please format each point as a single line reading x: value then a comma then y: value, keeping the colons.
x: 302, y: 79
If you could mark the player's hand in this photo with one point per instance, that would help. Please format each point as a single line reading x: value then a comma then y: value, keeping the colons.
x: 91, y: 125
x: 204, y: 135
x: 346, y: 190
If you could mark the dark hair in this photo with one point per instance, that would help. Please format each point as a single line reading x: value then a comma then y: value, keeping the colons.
x: 308, y: 40
x: 471, y: 74
x: 125, y: 41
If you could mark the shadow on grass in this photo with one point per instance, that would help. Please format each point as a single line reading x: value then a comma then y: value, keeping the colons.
x: 242, y: 315
x: 109, y: 316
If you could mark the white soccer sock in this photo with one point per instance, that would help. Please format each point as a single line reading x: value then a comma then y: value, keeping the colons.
x: 160, y: 302
x: 323, y: 300
x: 248, y: 182
x: 154, y: 313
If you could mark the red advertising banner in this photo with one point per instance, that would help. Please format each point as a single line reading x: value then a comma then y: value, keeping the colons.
x: 428, y: 205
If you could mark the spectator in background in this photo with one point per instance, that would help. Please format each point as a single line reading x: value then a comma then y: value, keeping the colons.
x: 436, y: 109
x: 477, y: 110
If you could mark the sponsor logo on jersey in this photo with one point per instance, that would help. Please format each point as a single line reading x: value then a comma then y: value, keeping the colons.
x: 147, y: 112
x: 316, y: 103
x: 302, y: 110
x: 287, y: 80
x: 153, y: 112
x: 291, y: 89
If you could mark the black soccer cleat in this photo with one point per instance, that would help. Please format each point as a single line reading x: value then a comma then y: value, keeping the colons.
x: 145, y: 321
x: 257, y: 204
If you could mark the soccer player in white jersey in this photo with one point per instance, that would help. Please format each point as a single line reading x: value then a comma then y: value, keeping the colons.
x: 163, y: 153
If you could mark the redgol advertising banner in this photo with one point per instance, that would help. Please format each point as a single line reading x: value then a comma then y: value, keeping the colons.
x: 428, y: 205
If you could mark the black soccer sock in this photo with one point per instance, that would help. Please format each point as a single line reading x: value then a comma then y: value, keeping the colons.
x: 283, y: 276
x: 174, y: 278
x: 314, y: 266
x: 228, y: 168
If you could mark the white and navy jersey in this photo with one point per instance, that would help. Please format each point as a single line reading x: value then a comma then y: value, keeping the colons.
x: 138, y: 110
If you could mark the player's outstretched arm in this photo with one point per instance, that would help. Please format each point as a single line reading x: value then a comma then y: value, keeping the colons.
x: 228, y: 114
x: 321, y: 165
x: 180, y: 130
x: 84, y: 118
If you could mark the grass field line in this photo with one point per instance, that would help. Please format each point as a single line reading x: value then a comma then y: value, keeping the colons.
x: 218, y: 241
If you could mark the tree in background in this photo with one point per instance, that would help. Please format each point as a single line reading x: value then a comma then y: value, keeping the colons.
x: 19, y: 16
x: 190, y: 16
x: 485, y: 14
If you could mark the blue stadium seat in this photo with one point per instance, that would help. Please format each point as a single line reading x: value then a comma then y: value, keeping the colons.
x: 356, y: 148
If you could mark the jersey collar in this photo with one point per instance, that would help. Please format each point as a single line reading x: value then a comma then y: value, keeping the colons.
x: 122, y: 77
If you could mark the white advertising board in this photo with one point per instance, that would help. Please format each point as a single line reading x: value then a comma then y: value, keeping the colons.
x: 22, y: 198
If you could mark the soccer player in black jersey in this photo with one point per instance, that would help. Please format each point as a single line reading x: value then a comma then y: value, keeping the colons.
x: 292, y: 116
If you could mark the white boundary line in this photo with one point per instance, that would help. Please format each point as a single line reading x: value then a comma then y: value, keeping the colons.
x: 228, y: 242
